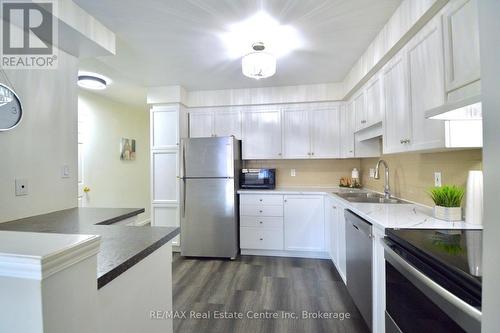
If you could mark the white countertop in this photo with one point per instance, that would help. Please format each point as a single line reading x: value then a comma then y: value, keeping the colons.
x: 403, y: 216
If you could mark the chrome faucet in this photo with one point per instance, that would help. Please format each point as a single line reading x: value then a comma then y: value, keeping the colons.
x: 387, y: 189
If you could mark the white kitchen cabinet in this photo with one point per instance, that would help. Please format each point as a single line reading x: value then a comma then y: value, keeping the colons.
x: 426, y: 77
x: 374, y: 101
x: 396, y: 125
x: 347, y: 125
x: 261, y: 222
x: 359, y: 110
x: 325, y: 132
x: 304, y: 223
x: 311, y: 132
x: 227, y: 123
x: 201, y: 124
x: 261, y: 134
x: 164, y: 124
x: 461, y: 44
x: 167, y: 127
x: 296, y: 133
x: 337, y: 236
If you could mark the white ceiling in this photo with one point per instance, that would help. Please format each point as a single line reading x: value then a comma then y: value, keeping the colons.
x: 177, y: 42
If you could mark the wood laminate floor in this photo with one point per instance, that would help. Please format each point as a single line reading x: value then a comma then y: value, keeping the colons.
x: 261, y: 286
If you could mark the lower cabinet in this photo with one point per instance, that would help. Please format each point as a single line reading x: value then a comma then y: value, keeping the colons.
x: 304, y: 223
x: 337, y: 236
x: 290, y: 224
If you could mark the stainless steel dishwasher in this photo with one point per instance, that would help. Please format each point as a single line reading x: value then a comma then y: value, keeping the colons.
x: 359, y: 263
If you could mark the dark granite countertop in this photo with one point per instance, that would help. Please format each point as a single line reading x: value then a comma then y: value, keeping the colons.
x: 121, y: 246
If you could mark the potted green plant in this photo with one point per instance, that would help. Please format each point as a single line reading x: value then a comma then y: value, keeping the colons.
x: 448, y: 201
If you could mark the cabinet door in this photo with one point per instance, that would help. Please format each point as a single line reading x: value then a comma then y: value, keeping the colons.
x: 334, y: 232
x: 164, y: 128
x: 341, y: 265
x: 296, y: 136
x: 325, y: 132
x: 166, y: 216
x: 261, y: 134
x: 397, y: 111
x: 374, y: 104
x: 461, y: 35
x: 304, y: 223
x: 164, y: 181
x: 425, y: 64
x: 347, y: 131
x: 201, y: 124
x: 227, y: 123
x: 359, y: 111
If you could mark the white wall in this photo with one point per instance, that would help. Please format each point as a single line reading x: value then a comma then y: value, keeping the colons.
x: 44, y: 141
x: 113, y: 182
x: 489, y: 26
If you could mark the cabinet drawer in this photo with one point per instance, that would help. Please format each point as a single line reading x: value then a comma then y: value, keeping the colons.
x: 261, y: 238
x: 263, y: 199
x: 261, y: 221
x: 261, y: 210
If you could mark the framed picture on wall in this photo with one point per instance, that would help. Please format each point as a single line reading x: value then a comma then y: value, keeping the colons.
x: 127, y: 149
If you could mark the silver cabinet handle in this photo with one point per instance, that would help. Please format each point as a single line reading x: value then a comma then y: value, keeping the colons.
x: 334, y: 207
x: 260, y: 211
x: 260, y: 222
x: 312, y: 154
x: 260, y: 200
x: 467, y: 316
x: 262, y: 239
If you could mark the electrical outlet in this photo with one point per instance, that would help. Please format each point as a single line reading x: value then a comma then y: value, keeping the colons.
x: 437, y: 179
x: 21, y: 187
x: 372, y: 173
x: 292, y: 172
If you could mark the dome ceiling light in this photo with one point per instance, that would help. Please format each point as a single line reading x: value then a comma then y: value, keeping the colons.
x: 258, y: 64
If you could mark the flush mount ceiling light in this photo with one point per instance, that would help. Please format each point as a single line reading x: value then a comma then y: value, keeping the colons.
x: 258, y: 64
x: 279, y: 39
x: 92, y: 81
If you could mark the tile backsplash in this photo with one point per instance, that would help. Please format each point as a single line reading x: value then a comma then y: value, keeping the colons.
x: 412, y: 174
x: 316, y: 173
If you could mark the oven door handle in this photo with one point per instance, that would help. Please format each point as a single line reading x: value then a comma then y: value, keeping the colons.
x: 465, y: 315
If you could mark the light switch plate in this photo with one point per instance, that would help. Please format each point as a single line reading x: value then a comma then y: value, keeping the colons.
x: 65, y: 171
x: 292, y: 172
x: 437, y: 179
x: 21, y: 187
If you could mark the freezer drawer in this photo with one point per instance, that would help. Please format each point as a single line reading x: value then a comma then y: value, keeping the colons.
x: 209, y: 221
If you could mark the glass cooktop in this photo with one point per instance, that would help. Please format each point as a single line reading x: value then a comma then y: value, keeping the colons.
x: 458, y: 250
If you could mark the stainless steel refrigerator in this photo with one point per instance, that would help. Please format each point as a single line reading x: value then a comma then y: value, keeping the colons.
x: 209, y: 203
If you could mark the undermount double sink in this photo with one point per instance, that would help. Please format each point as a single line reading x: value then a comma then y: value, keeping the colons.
x: 368, y: 197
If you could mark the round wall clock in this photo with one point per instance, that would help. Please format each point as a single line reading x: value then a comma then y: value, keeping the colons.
x: 10, y: 108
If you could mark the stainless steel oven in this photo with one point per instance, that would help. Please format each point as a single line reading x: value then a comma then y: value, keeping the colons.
x: 428, y: 285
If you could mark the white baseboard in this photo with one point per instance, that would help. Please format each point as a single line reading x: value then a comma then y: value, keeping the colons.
x: 291, y: 254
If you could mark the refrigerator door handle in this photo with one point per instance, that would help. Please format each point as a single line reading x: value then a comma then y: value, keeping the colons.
x: 183, y: 187
x: 183, y: 156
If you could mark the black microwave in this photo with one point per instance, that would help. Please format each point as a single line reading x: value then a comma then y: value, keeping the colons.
x: 258, y: 179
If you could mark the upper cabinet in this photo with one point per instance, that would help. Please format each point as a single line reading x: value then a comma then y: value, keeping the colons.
x: 311, y: 131
x: 374, y: 101
x: 325, y: 132
x: 201, y: 124
x: 397, y: 110
x: 261, y: 134
x: 164, y: 123
x: 426, y: 77
x: 347, y: 131
x: 204, y: 123
x: 359, y: 110
x: 461, y: 47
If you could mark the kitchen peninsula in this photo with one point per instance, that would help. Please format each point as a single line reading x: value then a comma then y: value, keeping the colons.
x: 75, y: 244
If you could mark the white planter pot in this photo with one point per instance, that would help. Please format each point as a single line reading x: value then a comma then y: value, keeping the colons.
x: 448, y: 213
